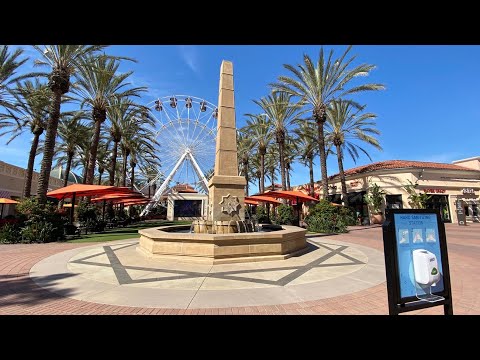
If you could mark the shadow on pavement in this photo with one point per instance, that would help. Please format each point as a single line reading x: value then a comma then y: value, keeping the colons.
x: 19, y: 289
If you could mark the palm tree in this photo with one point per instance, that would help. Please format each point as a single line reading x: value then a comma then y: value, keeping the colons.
x: 255, y: 166
x: 258, y: 128
x: 271, y: 164
x: 98, y: 84
x: 318, y: 85
x: 244, y: 151
x: 122, y: 116
x: 81, y: 159
x: 29, y: 111
x: 72, y: 133
x: 103, y: 159
x: 290, y: 153
x: 344, y: 124
x: 64, y: 61
x: 9, y: 64
x: 281, y: 112
x: 139, y: 142
x: 306, y: 142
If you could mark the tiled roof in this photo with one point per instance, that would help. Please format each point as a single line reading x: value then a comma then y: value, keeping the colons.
x: 400, y: 164
x: 184, y: 188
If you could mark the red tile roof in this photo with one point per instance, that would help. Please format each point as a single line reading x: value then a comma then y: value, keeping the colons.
x: 400, y: 164
x: 184, y: 188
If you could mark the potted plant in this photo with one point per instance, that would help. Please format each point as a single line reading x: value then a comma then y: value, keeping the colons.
x: 374, y: 198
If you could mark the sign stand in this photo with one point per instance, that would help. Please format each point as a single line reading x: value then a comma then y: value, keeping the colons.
x: 461, y: 218
x: 416, y: 261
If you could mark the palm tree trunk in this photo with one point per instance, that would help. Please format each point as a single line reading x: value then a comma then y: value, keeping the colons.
x: 125, y: 171
x: 262, y: 173
x: 272, y: 173
x: 49, y: 147
x: 245, y: 166
x: 31, y: 160
x: 287, y: 172
x: 342, y: 174
x: 67, y: 168
x: 114, y: 163
x: 84, y: 174
x: 100, y: 173
x: 132, y: 176
x: 259, y: 186
x: 312, y: 181
x: 92, y: 158
x: 323, y: 158
x: 281, y: 150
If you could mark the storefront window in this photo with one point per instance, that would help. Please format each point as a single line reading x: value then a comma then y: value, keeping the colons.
x: 440, y: 202
x: 467, y: 210
x: 393, y: 202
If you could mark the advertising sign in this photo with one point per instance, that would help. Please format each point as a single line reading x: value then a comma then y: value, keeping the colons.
x: 416, y: 260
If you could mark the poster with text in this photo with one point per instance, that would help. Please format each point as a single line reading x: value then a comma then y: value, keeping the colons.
x: 419, y: 257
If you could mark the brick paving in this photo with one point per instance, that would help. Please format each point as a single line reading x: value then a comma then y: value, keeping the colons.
x: 20, y: 295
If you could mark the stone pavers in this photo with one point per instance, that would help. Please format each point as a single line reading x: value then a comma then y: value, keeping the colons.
x: 20, y: 295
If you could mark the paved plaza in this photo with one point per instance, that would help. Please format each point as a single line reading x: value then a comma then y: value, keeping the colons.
x: 340, y: 274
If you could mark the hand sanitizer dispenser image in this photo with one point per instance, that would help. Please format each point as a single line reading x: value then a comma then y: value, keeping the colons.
x: 425, y: 267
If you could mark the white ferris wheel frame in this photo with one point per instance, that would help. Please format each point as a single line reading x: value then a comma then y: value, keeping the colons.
x: 187, y: 154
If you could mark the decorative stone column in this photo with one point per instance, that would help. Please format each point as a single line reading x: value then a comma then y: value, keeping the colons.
x: 226, y: 188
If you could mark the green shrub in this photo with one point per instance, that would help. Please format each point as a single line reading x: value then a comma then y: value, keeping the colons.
x: 285, y: 215
x: 40, y: 223
x: 87, y: 213
x: 349, y: 215
x: 261, y: 213
x: 9, y: 234
x: 327, y: 218
x: 38, y: 232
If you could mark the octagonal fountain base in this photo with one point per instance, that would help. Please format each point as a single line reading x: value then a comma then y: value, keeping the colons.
x: 175, y: 242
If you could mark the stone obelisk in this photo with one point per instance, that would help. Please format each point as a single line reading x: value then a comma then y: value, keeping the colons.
x: 226, y: 188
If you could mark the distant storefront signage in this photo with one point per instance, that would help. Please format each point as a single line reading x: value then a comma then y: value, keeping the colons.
x: 468, y: 191
x: 354, y: 183
x: 434, y: 191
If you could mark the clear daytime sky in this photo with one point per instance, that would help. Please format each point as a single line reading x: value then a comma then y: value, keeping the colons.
x: 429, y: 110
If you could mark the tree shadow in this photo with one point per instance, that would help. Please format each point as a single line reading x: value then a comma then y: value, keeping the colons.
x: 20, y: 289
x: 319, y: 235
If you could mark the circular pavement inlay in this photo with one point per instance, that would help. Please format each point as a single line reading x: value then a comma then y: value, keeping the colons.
x: 116, y: 273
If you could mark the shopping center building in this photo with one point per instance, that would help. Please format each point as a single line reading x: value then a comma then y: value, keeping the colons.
x: 12, y: 182
x: 445, y: 183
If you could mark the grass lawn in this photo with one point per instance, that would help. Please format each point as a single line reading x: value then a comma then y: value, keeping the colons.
x: 129, y: 232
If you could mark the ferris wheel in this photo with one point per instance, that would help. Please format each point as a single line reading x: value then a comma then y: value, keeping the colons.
x: 187, y: 129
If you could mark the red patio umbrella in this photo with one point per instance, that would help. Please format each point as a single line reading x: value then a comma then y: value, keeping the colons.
x: 263, y: 198
x: 75, y: 190
x: 4, y: 201
x: 291, y: 195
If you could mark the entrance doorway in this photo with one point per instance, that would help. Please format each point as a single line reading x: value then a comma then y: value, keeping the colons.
x: 393, y: 202
x: 440, y: 202
x: 356, y: 201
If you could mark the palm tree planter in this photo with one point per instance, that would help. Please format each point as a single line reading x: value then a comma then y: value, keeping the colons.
x: 374, y: 198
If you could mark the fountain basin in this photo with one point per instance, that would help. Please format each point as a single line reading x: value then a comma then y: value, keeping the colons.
x: 169, y: 242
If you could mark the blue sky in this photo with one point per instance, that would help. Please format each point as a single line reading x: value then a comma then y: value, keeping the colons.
x: 428, y: 112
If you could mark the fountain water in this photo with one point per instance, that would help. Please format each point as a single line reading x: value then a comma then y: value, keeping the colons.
x: 225, y: 236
